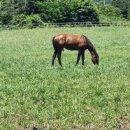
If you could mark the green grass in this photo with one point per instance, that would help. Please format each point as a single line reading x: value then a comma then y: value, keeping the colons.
x: 35, y: 94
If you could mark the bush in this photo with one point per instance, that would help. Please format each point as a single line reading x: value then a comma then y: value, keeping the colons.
x: 66, y: 11
x: 19, y: 20
x: 109, y: 13
x: 5, y: 18
x: 123, y: 5
x: 128, y: 17
x: 33, y: 21
x: 87, y: 11
x: 29, y: 20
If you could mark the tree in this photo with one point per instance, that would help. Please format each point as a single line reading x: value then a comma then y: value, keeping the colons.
x: 66, y: 10
x: 109, y: 13
x: 123, y: 5
x: 87, y: 11
x: 6, y: 11
x: 10, y: 8
x: 128, y: 17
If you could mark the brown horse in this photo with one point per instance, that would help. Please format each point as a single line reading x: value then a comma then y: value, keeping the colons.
x: 73, y: 42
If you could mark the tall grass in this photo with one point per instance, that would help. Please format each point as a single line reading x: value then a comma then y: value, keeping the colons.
x: 35, y: 94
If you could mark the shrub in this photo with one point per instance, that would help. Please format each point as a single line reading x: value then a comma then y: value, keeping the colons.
x: 27, y: 20
x: 128, y: 17
x: 66, y: 11
x: 123, y: 5
x: 19, y: 20
x: 33, y: 20
x: 5, y: 18
x: 87, y: 11
x: 109, y: 13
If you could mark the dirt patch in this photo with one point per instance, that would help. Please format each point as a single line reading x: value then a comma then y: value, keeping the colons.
x: 124, y: 123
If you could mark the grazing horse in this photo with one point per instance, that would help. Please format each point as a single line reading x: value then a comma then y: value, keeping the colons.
x: 73, y: 42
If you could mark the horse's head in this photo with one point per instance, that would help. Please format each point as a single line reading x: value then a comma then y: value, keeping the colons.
x: 95, y: 59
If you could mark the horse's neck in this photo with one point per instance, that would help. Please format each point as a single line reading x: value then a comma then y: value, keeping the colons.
x: 92, y: 50
x: 93, y: 54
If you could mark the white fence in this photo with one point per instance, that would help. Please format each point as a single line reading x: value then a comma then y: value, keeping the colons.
x: 70, y: 24
x: 88, y: 24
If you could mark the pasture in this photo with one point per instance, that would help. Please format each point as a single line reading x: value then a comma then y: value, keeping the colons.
x: 33, y: 94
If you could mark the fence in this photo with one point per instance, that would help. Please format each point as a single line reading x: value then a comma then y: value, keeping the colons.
x: 88, y: 24
x: 70, y: 24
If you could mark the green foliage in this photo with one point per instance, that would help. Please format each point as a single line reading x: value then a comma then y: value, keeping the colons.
x: 51, y: 12
x: 68, y: 11
x: 29, y: 20
x: 33, y: 20
x: 6, y: 12
x: 123, y: 5
x: 109, y: 13
x: 19, y: 20
x: 87, y: 11
x: 54, y: 10
x: 5, y: 17
x: 128, y: 17
x: 21, y: 11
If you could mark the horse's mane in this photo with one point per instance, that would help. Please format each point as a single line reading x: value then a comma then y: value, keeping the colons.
x: 90, y: 46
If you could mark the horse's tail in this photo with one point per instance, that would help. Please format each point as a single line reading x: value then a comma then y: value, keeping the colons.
x: 53, y: 40
x: 53, y: 43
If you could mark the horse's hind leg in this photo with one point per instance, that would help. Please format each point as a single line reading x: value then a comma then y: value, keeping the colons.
x: 53, y: 57
x: 78, y: 57
x: 59, y: 57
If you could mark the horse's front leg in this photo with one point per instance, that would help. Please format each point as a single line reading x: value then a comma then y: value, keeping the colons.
x: 53, y: 57
x: 78, y: 57
x: 59, y: 57
x: 83, y: 58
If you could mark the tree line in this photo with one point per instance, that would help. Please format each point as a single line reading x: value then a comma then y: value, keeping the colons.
x: 38, y: 12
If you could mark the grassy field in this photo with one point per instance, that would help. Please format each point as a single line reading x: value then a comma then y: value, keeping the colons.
x: 33, y: 94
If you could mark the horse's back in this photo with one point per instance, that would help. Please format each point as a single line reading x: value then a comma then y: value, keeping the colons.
x: 68, y: 38
x: 70, y: 41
